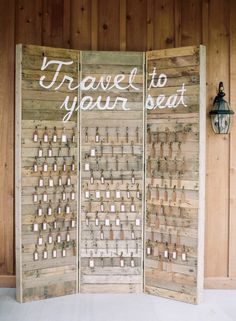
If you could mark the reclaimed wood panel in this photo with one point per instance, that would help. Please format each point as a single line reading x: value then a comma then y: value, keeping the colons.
x: 112, y: 178
x: 46, y: 211
x: 169, y: 241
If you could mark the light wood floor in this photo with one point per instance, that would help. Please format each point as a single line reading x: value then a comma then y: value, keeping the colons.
x: 217, y: 306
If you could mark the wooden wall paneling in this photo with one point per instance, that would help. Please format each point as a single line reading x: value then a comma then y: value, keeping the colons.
x: 94, y: 24
x: 191, y: 22
x: 164, y: 24
x: 175, y: 194
x: 80, y: 21
x: 177, y: 18
x: 38, y: 109
x: 136, y: 25
x: 28, y: 28
x: 122, y: 24
x: 217, y: 151
x: 111, y: 226
x: 150, y: 24
x: 108, y: 25
x: 232, y: 173
x: 7, y: 144
x: 56, y: 23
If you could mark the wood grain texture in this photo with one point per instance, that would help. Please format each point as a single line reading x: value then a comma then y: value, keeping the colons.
x: 108, y: 25
x: 24, y: 22
x: 232, y: 209
x: 136, y: 30
x: 218, y: 147
x: 163, y: 24
x: 56, y: 23
x: 80, y: 24
x: 7, y: 257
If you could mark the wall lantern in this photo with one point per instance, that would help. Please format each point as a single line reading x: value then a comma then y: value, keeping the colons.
x: 221, y: 114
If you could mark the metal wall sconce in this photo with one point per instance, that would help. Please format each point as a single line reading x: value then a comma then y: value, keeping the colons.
x: 221, y: 114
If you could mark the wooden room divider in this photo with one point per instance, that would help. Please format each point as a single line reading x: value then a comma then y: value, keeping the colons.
x: 109, y: 172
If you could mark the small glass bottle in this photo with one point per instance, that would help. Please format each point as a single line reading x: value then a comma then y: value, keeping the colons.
x: 45, y: 252
x: 118, y: 193
x: 132, y: 206
x: 58, y: 237
x: 50, y: 181
x: 101, y: 233
x: 174, y: 253
x: 35, y: 135
x: 63, y: 194
x: 73, y: 221
x: 36, y: 254
x: 184, y: 254
x: 138, y: 195
x: 122, y: 205
x: 166, y: 251
x: 86, y: 164
x: 122, y: 261
x: 54, y: 165
x: 113, y: 206
x: 122, y: 234
x: 132, y: 263
x: 45, y: 135
x: 59, y: 208
x: 132, y: 232
x: 72, y: 165
x: 54, y: 251
x: 97, y: 193
x: 63, y: 136
x: 35, y: 225
x: 67, y: 234
x: 45, y: 195
x: 59, y: 179
x: 108, y: 192
x: 102, y: 178
x: 44, y: 224
x: 117, y: 220
x: 63, y: 250
x: 102, y: 207
x: 97, y: 136
x: 68, y: 180
x: 50, y: 237
x: 72, y: 193
x: 45, y: 165
x: 73, y: 137
x: 50, y: 151
x: 132, y: 177
x: 64, y: 165
x: 91, y: 261
x: 67, y: 208
x: 40, y: 150
x: 86, y: 192
x: 40, y: 238
x: 107, y: 220
x: 96, y: 219
x: 40, y: 209
x: 40, y: 181
x: 128, y: 191
x: 54, y: 135
x: 35, y: 166
x: 49, y: 209
x: 148, y: 248
x: 111, y: 234
x: 91, y: 177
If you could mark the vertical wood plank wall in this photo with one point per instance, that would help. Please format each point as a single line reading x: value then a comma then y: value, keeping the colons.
x: 130, y: 25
